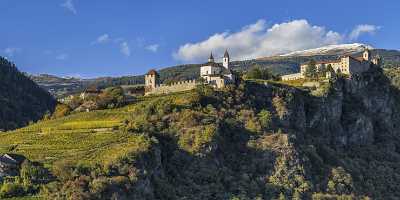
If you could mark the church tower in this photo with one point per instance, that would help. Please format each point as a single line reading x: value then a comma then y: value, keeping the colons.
x: 211, y: 59
x: 226, y: 60
x: 366, y: 55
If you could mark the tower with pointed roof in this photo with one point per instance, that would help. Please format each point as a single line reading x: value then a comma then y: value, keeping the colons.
x: 226, y: 60
x: 211, y: 59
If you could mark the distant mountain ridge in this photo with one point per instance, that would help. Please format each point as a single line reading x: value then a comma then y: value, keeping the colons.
x: 339, y: 49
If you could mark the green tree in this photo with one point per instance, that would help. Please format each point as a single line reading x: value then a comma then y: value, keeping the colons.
x: 296, y: 195
x: 282, y: 196
x: 33, y: 173
x: 112, y: 97
x: 256, y: 72
x: 311, y: 70
x: 61, y: 111
x: 340, y: 182
x: 265, y: 118
x: 10, y: 189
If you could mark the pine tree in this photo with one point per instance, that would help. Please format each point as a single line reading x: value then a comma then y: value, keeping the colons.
x: 311, y: 70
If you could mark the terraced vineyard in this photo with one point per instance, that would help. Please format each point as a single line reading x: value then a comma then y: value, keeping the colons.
x: 83, y: 137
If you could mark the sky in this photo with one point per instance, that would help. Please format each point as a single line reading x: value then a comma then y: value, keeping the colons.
x: 92, y: 38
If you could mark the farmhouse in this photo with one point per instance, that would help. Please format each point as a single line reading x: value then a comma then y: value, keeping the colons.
x: 90, y: 92
x: 9, y: 165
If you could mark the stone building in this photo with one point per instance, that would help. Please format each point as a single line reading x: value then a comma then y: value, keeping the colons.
x: 348, y: 65
x: 9, y: 165
x: 212, y: 73
x: 90, y: 92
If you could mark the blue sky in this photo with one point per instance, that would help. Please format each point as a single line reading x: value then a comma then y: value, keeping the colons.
x: 90, y: 38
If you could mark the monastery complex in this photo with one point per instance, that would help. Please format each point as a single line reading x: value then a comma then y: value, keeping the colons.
x: 348, y: 65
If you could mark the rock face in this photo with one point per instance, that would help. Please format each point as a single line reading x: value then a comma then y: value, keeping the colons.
x: 266, y: 141
x: 352, y: 125
x: 354, y: 110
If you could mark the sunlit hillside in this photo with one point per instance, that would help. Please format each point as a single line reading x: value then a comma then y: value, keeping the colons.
x: 92, y: 137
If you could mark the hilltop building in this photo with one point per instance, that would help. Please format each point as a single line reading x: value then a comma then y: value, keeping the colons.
x: 348, y: 65
x: 215, y: 74
x: 212, y: 73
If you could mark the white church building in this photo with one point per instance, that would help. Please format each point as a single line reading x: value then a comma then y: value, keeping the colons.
x: 216, y: 74
x: 212, y: 73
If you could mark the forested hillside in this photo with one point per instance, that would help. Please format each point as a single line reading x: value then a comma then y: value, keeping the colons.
x: 21, y: 100
x: 256, y: 140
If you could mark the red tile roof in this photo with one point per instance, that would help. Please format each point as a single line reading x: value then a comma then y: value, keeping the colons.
x: 152, y: 72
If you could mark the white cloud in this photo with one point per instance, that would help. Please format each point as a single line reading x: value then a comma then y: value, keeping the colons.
x: 11, y: 51
x: 69, y: 5
x: 121, y: 42
x: 102, y: 39
x: 118, y: 40
x: 257, y: 40
x: 361, y: 29
x: 124, y: 48
x: 153, y: 47
x: 62, y: 56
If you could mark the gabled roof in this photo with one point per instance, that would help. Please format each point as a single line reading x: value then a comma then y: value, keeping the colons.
x: 328, y: 61
x: 11, y: 159
x: 359, y: 59
x: 92, y: 90
x: 213, y: 64
x: 323, y: 62
x: 222, y: 68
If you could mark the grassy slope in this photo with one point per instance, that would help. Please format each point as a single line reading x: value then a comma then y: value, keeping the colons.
x: 88, y: 137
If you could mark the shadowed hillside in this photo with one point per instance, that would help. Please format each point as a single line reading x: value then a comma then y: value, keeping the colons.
x: 21, y: 100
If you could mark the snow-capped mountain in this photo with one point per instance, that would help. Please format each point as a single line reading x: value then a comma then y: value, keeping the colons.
x: 339, y: 49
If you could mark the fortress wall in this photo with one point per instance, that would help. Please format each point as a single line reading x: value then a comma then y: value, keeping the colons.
x: 174, y: 87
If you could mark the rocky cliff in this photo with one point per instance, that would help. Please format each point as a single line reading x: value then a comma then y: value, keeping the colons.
x: 258, y: 140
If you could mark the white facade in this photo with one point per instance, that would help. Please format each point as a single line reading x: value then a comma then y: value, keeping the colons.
x: 209, y: 70
x: 346, y: 65
x: 291, y: 77
x: 226, y: 60
x: 215, y: 74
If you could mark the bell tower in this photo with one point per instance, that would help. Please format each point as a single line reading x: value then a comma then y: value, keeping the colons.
x: 211, y: 58
x: 226, y: 60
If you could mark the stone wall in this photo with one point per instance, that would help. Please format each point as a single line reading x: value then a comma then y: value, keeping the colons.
x: 290, y: 77
x: 174, y: 87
